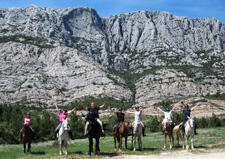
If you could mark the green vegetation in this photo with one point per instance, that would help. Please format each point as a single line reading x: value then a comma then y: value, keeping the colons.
x: 99, y: 101
x: 207, y: 139
x: 37, y: 41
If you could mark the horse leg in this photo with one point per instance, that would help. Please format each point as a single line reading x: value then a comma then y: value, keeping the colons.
x: 29, y: 148
x: 65, y: 147
x: 170, y: 137
x: 60, y: 147
x: 97, y: 151
x: 24, y: 147
x: 134, y: 143
x: 177, y: 139
x: 181, y: 139
x: 126, y: 142
x: 192, y: 144
x: 140, y: 143
x: 164, y: 140
x: 90, y: 146
x: 187, y: 142
x: 114, y: 137
x: 120, y: 143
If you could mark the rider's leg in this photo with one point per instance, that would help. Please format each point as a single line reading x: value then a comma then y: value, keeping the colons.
x: 32, y: 131
x: 86, y: 128
x: 100, y: 122
x: 182, y: 128
x: 195, y: 129
x: 56, y: 130
x: 70, y: 133
x: 143, y: 128
x: 162, y: 128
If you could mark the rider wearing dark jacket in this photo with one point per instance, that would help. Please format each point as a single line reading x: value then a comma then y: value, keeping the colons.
x: 120, y: 119
x: 187, y: 113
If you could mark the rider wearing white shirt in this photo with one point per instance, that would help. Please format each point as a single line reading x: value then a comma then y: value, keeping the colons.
x: 167, y: 115
x: 137, y: 118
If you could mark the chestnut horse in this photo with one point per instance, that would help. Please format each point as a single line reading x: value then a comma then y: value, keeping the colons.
x: 27, y: 136
x: 176, y: 130
x: 125, y: 127
x: 168, y: 130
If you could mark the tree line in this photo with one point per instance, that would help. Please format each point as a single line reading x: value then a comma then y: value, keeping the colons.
x: 44, y: 123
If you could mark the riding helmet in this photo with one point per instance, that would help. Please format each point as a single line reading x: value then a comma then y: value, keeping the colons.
x: 167, y: 109
x: 120, y: 109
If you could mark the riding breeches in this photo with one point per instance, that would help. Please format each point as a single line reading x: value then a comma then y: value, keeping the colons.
x: 138, y: 122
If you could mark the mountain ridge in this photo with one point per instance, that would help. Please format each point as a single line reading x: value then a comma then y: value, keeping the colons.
x: 147, y: 54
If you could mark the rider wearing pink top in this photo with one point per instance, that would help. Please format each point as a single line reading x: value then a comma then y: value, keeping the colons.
x: 27, y: 122
x: 63, y: 116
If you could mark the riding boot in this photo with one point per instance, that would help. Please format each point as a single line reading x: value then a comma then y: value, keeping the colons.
x: 71, y: 135
x: 55, y: 135
x: 183, y: 130
x: 195, y: 130
x: 143, y: 130
x: 102, y: 133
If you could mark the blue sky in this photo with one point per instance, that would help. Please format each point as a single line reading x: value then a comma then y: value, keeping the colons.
x: 105, y: 8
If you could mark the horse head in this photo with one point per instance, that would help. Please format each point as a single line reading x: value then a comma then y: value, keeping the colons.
x: 135, y: 127
x: 191, y: 122
x: 65, y: 125
x: 90, y: 117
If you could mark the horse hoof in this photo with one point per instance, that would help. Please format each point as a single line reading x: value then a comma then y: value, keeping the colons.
x: 114, y: 149
x: 120, y: 150
x: 134, y: 149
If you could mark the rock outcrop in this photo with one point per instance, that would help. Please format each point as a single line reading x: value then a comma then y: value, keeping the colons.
x: 77, y: 52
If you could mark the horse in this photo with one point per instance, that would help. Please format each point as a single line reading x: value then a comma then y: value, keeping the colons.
x: 189, y: 131
x: 137, y: 132
x: 167, y: 130
x: 26, y: 137
x: 122, y: 132
x: 63, y: 137
x: 176, y: 130
x: 94, y: 131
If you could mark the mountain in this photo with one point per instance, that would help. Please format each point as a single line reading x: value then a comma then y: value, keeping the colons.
x: 138, y: 56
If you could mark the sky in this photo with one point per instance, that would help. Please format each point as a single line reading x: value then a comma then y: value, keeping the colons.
x: 105, y: 8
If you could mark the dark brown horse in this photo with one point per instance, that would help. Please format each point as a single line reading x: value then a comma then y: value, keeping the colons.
x: 122, y: 132
x: 168, y: 130
x: 26, y: 137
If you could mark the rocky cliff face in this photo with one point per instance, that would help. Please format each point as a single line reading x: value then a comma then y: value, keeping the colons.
x: 78, y: 52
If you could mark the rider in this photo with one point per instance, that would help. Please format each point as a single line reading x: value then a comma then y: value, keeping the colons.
x: 120, y: 119
x: 187, y: 113
x: 167, y: 116
x: 137, y: 118
x: 93, y: 110
x: 63, y: 116
x: 27, y: 122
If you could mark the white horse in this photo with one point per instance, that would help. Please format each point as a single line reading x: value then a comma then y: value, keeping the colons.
x: 63, y: 137
x: 137, y: 132
x: 189, y: 131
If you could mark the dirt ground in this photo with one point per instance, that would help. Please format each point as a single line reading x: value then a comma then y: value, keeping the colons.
x: 196, y: 154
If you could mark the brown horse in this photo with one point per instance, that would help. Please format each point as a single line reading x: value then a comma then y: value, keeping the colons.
x: 26, y: 137
x: 168, y: 130
x: 122, y: 132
